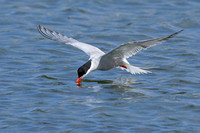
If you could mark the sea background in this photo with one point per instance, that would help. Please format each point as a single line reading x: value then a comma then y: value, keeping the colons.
x: 38, y: 92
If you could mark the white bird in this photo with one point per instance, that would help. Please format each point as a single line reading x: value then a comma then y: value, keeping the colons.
x: 104, y: 61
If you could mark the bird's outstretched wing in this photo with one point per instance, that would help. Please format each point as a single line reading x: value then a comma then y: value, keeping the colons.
x: 53, y: 35
x: 131, y: 48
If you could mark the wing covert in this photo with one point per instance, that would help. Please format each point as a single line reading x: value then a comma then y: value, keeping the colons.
x: 131, y: 48
x: 56, y: 36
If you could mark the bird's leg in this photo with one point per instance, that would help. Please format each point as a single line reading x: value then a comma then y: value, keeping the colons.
x: 123, y: 66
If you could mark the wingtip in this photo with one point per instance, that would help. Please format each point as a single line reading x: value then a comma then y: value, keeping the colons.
x: 172, y: 35
x: 38, y: 27
x: 42, y: 30
x: 179, y: 31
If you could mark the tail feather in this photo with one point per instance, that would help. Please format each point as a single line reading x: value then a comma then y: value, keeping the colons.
x: 135, y: 70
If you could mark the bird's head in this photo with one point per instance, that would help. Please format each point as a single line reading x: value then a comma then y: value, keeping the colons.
x: 83, y: 71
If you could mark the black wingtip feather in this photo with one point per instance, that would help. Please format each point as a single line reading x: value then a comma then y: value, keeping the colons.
x: 170, y: 36
x: 175, y: 33
x: 42, y: 31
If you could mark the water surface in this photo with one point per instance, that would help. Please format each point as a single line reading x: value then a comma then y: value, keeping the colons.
x: 38, y: 92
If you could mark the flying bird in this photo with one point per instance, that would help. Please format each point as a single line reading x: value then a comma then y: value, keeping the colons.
x: 104, y: 61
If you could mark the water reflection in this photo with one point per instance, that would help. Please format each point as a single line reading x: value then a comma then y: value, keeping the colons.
x: 120, y: 89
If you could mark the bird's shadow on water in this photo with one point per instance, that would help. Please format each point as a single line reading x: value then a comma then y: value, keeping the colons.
x: 99, y: 81
x: 95, y: 81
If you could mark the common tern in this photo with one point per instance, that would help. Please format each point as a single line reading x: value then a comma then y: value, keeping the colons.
x: 104, y: 61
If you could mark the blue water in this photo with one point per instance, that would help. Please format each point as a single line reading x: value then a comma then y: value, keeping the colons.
x: 38, y: 92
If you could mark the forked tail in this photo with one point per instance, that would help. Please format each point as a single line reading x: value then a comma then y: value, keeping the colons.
x: 135, y: 70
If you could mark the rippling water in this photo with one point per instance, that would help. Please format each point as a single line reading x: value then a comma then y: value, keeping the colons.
x: 38, y: 92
